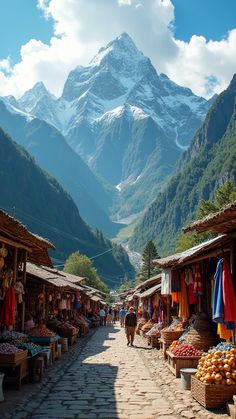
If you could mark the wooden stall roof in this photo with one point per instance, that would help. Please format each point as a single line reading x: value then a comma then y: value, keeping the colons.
x: 223, y: 221
x: 206, y: 249
x: 51, y: 276
x: 14, y: 233
x: 151, y: 291
x: 149, y: 282
x: 75, y: 279
x: 95, y: 298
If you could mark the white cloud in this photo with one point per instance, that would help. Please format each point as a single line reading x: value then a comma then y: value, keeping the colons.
x: 81, y: 28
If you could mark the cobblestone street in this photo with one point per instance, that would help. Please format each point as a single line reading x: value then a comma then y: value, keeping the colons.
x: 104, y: 378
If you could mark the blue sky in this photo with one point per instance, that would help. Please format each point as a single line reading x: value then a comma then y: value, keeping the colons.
x: 192, y: 41
x: 210, y: 18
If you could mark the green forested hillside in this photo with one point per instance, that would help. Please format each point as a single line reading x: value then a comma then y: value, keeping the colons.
x: 46, y: 209
x: 210, y: 160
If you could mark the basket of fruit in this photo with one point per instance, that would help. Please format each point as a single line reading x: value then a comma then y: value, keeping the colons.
x: 215, y: 381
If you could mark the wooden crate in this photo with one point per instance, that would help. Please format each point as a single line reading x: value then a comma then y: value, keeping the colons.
x: 175, y: 363
x: 154, y: 341
x: 211, y: 396
x: 13, y: 358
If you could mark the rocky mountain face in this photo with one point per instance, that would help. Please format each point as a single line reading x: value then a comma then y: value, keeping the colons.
x: 50, y: 150
x: 206, y: 165
x: 129, y: 124
x: 46, y: 209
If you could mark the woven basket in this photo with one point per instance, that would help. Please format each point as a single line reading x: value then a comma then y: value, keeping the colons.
x: 170, y: 335
x: 211, y: 396
x: 200, y: 340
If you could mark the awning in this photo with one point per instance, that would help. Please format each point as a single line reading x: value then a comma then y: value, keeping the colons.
x: 150, y: 291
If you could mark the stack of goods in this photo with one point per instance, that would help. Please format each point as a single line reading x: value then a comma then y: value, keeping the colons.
x: 9, y: 335
x: 155, y: 330
x: 10, y: 353
x: 218, y: 366
x: 183, y: 350
x: 140, y: 324
x: 66, y: 330
x: 31, y: 347
x: 41, y: 334
x: 201, y: 335
x: 172, y: 332
x: 146, y: 327
x: 174, y: 344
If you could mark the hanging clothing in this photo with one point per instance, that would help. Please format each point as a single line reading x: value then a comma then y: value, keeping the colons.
x: 183, y: 303
x: 197, y: 282
x: 175, y: 281
x: 9, y: 307
x: 223, y: 332
x: 229, y: 298
x: 175, y: 297
x: 191, y: 297
x: 166, y: 282
x: 218, y: 306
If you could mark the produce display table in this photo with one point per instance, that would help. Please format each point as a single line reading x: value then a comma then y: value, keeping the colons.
x: 48, y: 341
x: 153, y: 341
x: 175, y: 363
x: 15, y: 371
x: 164, y: 346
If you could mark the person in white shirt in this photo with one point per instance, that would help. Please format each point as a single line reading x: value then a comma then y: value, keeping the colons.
x: 102, y: 316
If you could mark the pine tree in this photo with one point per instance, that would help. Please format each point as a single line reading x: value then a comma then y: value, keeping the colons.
x: 149, y: 254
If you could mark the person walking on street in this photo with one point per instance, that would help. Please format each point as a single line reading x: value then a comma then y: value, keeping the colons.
x: 102, y: 315
x: 130, y: 326
x: 122, y: 314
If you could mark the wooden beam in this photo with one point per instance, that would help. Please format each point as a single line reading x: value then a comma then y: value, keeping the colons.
x: 14, y: 243
x: 15, y: 264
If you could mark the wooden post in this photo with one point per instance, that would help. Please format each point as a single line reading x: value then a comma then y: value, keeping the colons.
x: 44, y: 297
x: 24, y: 283
x: 15, y: 265
x: 232, y: 261
x: 168, y: 311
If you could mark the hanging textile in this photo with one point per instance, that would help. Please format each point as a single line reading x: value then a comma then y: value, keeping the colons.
x: 223, y: 332
x: 9, y: 307
x: 175, y: 281
x: 218, y: 305
x: 183, y: 303
x: 229, y: 298
x: 166, y: 282
x: 197, y: 282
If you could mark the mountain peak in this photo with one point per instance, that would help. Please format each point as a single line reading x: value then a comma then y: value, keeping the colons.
x: 122, y: 47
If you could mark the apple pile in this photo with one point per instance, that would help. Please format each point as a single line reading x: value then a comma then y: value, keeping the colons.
x: 183, y: 349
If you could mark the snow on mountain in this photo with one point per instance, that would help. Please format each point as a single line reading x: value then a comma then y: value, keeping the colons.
x: 126, y: 121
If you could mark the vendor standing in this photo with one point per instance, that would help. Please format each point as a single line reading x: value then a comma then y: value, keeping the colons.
x: 130, y: 326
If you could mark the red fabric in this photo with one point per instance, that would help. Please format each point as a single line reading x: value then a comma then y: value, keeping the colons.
x: 175, y: 297
x: 9, y: 307
x: 229, y: 297
x: 191, y: 297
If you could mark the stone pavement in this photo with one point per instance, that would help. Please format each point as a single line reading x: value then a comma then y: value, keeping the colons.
x: 105, y: 379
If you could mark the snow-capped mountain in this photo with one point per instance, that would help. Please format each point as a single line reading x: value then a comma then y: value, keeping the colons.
x: 127, y: 122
